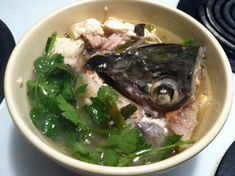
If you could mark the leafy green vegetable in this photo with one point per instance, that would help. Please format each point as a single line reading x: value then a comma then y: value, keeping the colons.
x: 187, y: 42
x: 128, y: 110
x: 50, y: 44
x: 45, y: 93
x: 46, y: 122
x: 31, y: 84
x: 69, y: 112
x: 57, y: 69
x: 45, y: 65
x: 157, y: 152
x: 167, y: 152
x: 67, y: 91
x: 81, y: 89
x: 105, y: 92
x: 86, y: 154
x: 110, y: 157
x: 98, y: 112
x: 126, y: 141
x: 114, y: 112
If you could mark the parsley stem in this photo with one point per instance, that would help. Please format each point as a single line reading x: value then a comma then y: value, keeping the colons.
x: 51, y: 43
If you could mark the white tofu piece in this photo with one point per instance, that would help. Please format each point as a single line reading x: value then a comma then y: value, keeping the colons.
x: 90, y: 25
x: 118, y: 26
x: 70, y: 49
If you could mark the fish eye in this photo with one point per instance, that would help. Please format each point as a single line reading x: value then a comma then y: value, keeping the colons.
x: 165, y: 92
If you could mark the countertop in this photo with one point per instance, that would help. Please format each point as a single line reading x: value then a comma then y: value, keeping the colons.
x: 19, y: 158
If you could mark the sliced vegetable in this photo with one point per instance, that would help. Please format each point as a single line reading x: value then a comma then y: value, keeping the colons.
x: 124, y: 46
x: 114, y: 113
x: 128, y: 110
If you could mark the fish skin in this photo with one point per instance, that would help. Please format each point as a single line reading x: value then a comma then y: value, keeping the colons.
x: 134, y: 69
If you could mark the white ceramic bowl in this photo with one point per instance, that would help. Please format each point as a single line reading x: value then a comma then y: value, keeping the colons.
x: 32, y: 44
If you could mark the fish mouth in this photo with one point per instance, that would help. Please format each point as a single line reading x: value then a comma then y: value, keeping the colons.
x: 161, y: 76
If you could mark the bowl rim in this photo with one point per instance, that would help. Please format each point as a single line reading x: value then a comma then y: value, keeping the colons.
x: 108, y: 170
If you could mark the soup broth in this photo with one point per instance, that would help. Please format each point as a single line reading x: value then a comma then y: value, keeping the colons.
x: 102, y: 95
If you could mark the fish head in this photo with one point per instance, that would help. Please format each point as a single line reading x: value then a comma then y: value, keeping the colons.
x: 160, y: 76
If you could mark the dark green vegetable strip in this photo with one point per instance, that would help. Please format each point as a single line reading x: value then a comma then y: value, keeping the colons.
x: 125, y: 45
x: 114, y: 113
x: 128, y: 110
x: 187, y: 42
x: 50, y: 44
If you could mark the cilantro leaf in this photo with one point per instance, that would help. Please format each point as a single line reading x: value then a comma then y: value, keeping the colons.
x: 127, y: 141
x: 98, y: 112
x: 86, y: 154
x: 69, y: 112
x: 81, y: 89
x: 31, y: 84
x: 48, y: 123
x: 105, y: 92
x: 67, y: 91
x: 42, y: 64
x: 163, y: 152
x: 110, y: 157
